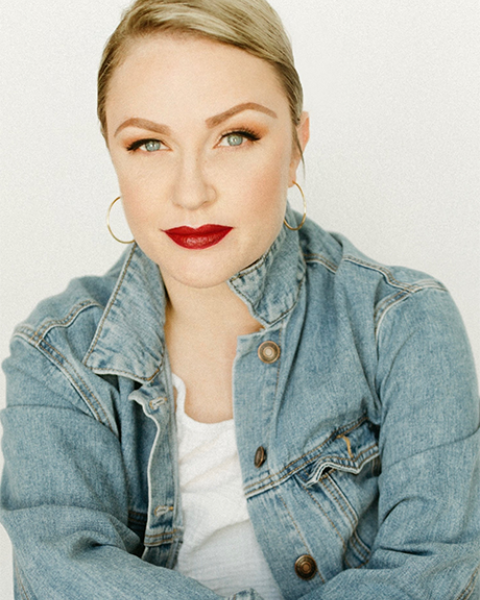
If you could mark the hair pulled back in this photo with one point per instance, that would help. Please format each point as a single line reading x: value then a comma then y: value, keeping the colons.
x: 252, y: 25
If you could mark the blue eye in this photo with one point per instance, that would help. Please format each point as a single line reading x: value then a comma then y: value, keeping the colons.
x: 145, y: 145
x: 152, y: 145
x: 234, y: 139
x: 237, y: 138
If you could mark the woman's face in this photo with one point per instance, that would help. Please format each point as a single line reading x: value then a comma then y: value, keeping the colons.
x: 200, y: 135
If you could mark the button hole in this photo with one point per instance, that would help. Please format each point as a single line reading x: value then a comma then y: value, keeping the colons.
x: 161, y: 510
x: 156, y: 403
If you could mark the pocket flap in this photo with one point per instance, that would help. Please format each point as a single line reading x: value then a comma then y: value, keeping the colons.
x: 348, y: 450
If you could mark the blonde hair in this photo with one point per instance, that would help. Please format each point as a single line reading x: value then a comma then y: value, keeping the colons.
x: 252, y: 25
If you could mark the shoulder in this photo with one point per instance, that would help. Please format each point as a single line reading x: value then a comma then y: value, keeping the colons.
x: 366, y: 286
x: 45, y: 366
x: 335, y: 252
x: 400, y: 324
x: 72, y: 316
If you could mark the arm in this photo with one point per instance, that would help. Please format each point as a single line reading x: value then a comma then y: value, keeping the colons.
x: 428, y: 543
x: 64, y: 498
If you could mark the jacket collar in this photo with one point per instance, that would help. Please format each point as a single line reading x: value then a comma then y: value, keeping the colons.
x: 270, y: 287
x: 129, y: 340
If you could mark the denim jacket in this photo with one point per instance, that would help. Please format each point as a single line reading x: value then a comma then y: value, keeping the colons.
x: 357, y: 420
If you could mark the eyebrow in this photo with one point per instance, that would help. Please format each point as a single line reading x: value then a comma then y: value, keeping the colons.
x: 210, y: 122
x: 143, y: 124
x: 217, y: 119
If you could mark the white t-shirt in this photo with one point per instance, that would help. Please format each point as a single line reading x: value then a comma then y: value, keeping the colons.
x: 220, y: 549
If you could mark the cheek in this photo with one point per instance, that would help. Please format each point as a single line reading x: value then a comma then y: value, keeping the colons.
x: 269, y: 184
x: 140, y: 193
x: 138, y: 209
x: 136, y: 182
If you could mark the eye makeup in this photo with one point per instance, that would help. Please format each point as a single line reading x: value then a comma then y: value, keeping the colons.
x: 149, y: 143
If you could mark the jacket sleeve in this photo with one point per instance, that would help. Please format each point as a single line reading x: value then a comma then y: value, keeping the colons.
x: 64, y: 497
x: 428, y: 542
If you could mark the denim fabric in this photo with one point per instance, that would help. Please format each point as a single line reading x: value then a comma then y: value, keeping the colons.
x: 369, y: 418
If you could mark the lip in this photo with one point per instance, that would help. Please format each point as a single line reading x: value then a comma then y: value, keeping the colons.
x: 198, y: 238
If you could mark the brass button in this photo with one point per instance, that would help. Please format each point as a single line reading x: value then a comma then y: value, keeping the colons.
x: 269, y: 352
x: 305, y: 567
x: 260, y: 457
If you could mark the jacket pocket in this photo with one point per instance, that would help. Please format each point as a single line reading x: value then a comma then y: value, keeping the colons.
x: 349, y: 450
x: 343, y: 483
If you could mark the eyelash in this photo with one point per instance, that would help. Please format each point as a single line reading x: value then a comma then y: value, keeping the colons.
x: 247, y: 133
x: 136, y: 145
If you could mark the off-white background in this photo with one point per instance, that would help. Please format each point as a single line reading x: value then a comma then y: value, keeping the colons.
x: 392, y: 87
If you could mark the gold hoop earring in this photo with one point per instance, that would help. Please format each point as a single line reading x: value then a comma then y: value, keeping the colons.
x: 108, y: 224
x: 304, y: 211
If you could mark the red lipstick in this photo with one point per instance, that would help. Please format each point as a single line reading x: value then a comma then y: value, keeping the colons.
x: 198, y: 238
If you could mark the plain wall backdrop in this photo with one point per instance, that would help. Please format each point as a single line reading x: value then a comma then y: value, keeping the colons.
x: 392, y: 87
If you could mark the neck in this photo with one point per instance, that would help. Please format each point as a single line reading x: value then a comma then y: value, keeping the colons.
x: 206, y: 309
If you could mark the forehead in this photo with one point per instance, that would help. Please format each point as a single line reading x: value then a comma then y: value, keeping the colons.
x: 192, y: 73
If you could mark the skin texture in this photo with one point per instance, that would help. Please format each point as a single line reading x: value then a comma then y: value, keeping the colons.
x: 176, y: 108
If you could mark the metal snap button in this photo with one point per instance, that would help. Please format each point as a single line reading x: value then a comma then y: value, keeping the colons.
x: 305, y: 567
x: 269, y: 352
x: 260, y: 457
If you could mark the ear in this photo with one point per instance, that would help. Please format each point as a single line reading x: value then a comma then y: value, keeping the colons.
x: 303, y: 134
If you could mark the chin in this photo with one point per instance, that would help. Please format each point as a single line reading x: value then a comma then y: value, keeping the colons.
x: 200, y: 281
x: 199, y: 275
x: 202, y: 269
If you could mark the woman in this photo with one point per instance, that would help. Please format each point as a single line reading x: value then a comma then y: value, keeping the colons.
x: 245, y: 405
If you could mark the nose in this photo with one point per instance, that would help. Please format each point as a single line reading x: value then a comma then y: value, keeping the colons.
x: 191, y: 186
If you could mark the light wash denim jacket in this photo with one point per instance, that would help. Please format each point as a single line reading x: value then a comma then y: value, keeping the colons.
x: 368, y: 414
